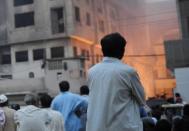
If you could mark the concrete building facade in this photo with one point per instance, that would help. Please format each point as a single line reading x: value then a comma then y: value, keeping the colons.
x: 36, y: 31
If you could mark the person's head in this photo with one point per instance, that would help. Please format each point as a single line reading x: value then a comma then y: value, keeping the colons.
x: 30, y: 99
x: 45, y: 100
x: 186, y: 110
x: 15, y: 106
x: 177, y: 94
x: 148, y: 124
x: 113, y: 45
x: 176, y: 121
x: 3, y: 100
x: 84, y: 90
x: 163, y: 125
x: 64, y: 86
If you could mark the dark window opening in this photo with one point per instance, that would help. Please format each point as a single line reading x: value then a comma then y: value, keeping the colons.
x: 31, y: 75
x: 38, y: 54
x: 75, y: 53
x: 101, y: 26
x: 87, y: 55
x: 24, y: 19
x: 21, y: 56
x: 65, y: 66
x: 6, y: 76
x: 97, y: 58
x: 57, y: 20
x: 77, y: 14
x: 57, y: 52
x: 6, y: 59
x: 83, y: 53
x: 22, y: 2
x: 88, y: 19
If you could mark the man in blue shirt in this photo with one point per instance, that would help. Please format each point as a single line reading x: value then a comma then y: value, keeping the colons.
x: 69, y: 105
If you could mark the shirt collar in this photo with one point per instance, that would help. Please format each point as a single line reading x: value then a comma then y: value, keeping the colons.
x: 111, y: 59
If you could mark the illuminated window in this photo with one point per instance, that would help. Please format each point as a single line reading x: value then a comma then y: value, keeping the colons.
x: 75, y: 51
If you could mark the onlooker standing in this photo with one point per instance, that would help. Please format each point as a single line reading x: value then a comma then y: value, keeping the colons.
x: 115, y: 91
x: 70, y: 106
x: 32, y: 118
x: 163, y: 125
x: 84, y: 92
x: 183, y: 124
x: 178, y: 98
x: 6, y: 115
x: 57, y: 122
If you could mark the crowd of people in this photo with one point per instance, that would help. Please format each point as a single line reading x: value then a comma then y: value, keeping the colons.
x: 66, y: 112
x: 114, y: 101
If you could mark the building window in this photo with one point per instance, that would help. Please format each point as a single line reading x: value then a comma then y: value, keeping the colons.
x: 38, y: 54
x: 6, y: 76
x: 83, y: 53
x: 88, y: 19
x: 57, y: 20
x: 65, y: 66
x: 57, y: 52
x: 21, y: 56
x: 87, y: 55
x: 31, y: 75
x: 6, y: 59
x: 75, y: 53
x: 77, y: 14
x: 101, y: 26
x: 22, y: 2
x: 97, y: 58
x: 24, y: 19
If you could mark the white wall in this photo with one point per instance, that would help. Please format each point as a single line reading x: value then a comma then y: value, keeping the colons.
x: 72, y: 75
x: 182, y: 81
x: 22, y: 85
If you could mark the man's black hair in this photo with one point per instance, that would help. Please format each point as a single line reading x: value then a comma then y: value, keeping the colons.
x: 4, y: 104
x: 64, y: 86
x: 113, y: 45
x: 84, y: 90
x: 45, y: 100
x: 177, y: 94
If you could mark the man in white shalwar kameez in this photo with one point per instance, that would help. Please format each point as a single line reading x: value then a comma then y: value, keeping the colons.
x: 57, y: 122
x: 32, y: 118
x: 115, y: 91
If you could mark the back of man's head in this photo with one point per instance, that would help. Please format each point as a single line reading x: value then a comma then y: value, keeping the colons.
x: 45, y: 100
x: 30, y: 99
x: 177, y: 94
x: 84, y: 90
x: 64, y: 86
x: 113, y: 45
